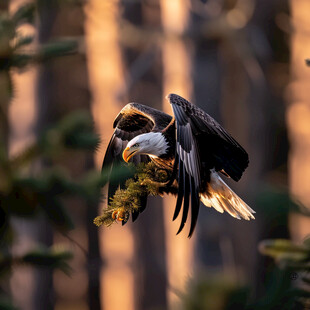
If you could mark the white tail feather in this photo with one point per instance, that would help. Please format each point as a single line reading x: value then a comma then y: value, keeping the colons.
x: 222, y: 198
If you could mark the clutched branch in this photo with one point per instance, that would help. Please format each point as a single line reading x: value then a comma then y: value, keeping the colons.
x: 149, y: 180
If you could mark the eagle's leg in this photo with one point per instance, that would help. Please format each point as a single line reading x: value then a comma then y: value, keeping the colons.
x: 162, y: 178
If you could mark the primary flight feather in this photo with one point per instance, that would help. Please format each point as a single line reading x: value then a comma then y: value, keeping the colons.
x: 192, y: 146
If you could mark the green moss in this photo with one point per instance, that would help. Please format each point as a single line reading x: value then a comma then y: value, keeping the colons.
x: 147, y: 181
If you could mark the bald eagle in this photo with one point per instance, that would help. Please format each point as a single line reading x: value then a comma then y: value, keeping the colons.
x: 192, y: 146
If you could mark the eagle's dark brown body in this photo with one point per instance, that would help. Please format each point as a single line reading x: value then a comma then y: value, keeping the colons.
x: 192, y: 146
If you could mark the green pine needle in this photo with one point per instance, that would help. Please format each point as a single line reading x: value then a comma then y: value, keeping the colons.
x: 24, y: 14
x: 53, y: 258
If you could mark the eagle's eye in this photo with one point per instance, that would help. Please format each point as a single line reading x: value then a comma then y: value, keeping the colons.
x: 136, y: 145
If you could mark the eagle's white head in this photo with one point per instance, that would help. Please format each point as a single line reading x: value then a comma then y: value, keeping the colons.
x: 151, y: 143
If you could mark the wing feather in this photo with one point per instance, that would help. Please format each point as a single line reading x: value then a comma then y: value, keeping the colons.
x: 180, y: 191
x: 189, y: 169
x: 220, y: 149
x: 186, y: 189
x: 202, y: 144
x: 195, y: 201
x: 134, y: 119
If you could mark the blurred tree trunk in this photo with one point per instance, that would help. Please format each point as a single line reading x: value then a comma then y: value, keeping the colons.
x: 4, y: 5
x: 242, y: 103
x: 5, y: 98
x: 298, y: 115
x: 177, y: 70
x: 4, y: 88
x: 44, y: 294
x: 62, y: 88
x: 106, y: 76
x: 207, y: 91
x: 231, y: 69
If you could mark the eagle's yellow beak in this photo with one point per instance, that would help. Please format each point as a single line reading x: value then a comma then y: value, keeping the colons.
x: 129, y: 152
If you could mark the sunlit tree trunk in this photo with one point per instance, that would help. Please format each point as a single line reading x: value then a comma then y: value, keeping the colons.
x: 176, y: 79
x: 143, y: 84
x: 21, y: 119
x: 106, y: 76
x: 298, y: 115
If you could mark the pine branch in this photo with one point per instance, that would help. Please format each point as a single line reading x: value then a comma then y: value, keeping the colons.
x: 56, y: 258
x: 285, y: 250
x: 45, y: 53
x: 149, y: 180
x: 295, y: 259
x: 53, y: 258
x: 6, y: 304
x: 21, y: 41
x: 24, y: 14
x: 75, y: 131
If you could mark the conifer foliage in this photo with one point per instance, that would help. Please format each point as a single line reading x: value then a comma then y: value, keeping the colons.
x: 294, y: 261
x: 148, y: 180
x: 24, y: 193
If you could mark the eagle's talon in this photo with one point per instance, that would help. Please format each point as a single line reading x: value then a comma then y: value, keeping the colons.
x: 114, y: 215
x: 119, y: 215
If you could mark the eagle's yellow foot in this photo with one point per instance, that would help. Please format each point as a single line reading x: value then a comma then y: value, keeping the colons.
x: 120, y: 215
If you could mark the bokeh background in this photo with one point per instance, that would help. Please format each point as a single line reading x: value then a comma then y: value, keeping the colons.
x: 244, y: 63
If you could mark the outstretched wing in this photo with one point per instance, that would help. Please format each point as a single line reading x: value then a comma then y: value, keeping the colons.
x: 202, y: 144
x: 134, y: 119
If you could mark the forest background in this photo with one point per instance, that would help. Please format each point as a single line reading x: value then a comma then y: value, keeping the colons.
x: 67, y: 68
